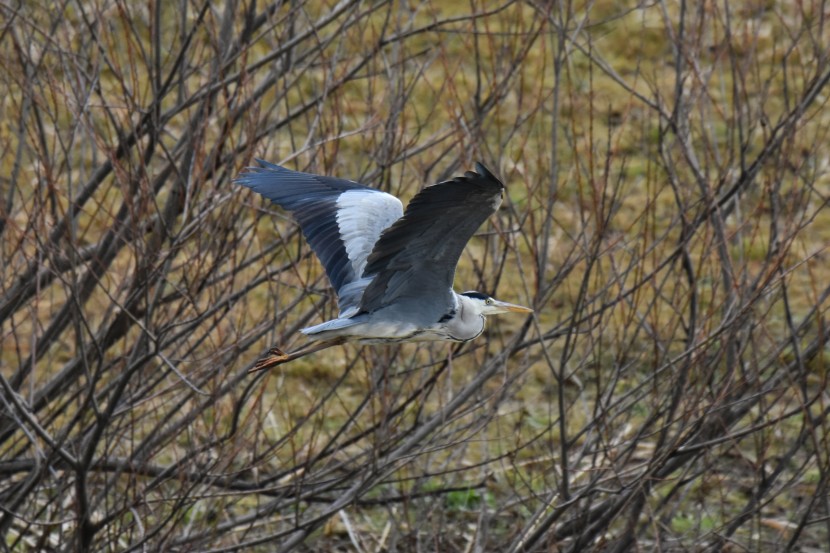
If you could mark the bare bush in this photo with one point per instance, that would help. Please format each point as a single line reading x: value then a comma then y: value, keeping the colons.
x: 666, y: 166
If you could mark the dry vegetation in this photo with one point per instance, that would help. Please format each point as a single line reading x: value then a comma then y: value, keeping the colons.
x: 667, y: 168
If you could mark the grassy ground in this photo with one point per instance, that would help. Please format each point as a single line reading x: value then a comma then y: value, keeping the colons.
x: 666, y: 217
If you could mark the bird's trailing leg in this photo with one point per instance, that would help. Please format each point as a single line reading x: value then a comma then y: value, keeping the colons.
x: 276, y: 356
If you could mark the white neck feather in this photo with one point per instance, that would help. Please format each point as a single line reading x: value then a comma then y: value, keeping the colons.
x: 468, y: 322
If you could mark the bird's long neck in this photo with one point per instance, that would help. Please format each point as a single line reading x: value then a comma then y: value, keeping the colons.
x: 468, y: 322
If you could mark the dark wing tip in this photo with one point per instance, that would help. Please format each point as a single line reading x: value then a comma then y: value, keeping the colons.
x: 266, y: 164
x: 483, y: 171
x: 249, y: 176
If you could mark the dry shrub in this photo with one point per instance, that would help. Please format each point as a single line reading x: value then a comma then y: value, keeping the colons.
x: 667, y: 173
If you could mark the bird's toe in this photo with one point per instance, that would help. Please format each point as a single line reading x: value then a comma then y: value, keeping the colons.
x: 274, y: 357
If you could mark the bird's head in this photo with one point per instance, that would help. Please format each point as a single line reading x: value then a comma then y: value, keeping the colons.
x: 491, y: 306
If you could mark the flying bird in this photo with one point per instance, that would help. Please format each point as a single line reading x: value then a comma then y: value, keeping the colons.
x: 392, y: 270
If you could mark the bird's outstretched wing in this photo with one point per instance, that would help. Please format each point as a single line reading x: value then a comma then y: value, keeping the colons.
x: 413, y: 262
x: 340, y: 219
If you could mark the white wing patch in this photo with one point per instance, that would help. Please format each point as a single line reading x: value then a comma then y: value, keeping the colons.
x: 362, y: 215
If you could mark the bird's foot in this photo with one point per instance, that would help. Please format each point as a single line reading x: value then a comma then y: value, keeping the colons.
x: 274, y: 357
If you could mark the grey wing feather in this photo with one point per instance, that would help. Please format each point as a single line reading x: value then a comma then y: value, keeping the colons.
x: 340, y: 219
x: 413, y: 263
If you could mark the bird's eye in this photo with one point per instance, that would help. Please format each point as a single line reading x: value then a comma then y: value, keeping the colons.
x: 489, y: 301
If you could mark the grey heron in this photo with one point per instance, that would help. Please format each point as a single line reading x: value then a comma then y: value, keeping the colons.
x: 392, y: 270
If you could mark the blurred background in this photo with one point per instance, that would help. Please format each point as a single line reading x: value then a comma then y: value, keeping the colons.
x: 666, y: 164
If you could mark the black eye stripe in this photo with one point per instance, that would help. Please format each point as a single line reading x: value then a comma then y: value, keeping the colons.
x: 477, y: 295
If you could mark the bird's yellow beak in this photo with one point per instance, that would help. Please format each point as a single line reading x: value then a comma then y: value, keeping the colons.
x: 511, y: 307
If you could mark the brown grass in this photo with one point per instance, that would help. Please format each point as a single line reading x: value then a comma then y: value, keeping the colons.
x: 666, y: 217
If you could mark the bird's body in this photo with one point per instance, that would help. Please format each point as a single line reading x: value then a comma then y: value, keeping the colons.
x: 460, y: 324
x: 393, y: 271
